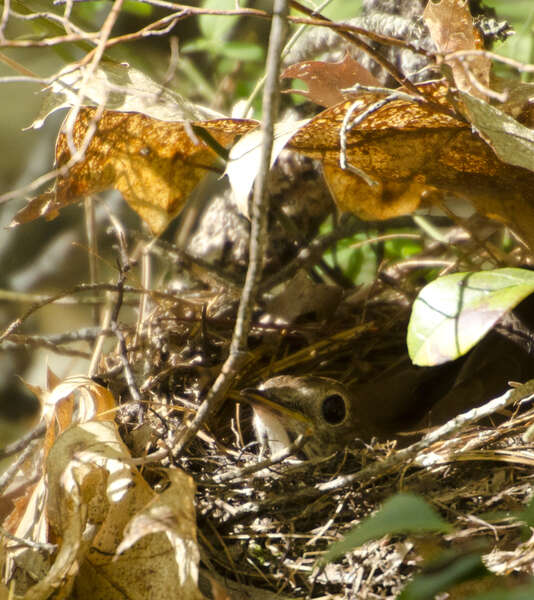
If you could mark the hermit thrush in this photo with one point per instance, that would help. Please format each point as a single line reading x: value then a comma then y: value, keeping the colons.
x: 398, y: 405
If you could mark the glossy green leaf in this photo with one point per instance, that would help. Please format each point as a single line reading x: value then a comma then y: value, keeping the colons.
x: 451, y: 314
x: 403, y: 513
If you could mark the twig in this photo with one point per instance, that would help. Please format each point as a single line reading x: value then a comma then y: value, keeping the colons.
x: 39, y: 342
x: 21, y: 443
x: 124, y: 267
x: 41, y: 546
x: 311, y: 254
x: 30, y: 75
x: 7, y: 476
x: 262, y: 464
x: 523, y: 68
x: 84, y: 334
x: 237, y: 356
x: 82, y: 287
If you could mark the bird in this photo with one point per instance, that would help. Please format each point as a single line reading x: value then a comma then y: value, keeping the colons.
x: 398, y: 405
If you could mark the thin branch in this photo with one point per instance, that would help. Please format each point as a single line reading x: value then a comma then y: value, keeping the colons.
x: 124, y: 267
x: 245, y: 472
x: 312, y: 253
x: 519, y: 66
x: 29, y: 447
x: 22, y: 443
x: 237, y: 356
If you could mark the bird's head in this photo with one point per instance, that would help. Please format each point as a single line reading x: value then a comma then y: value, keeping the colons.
x: 318, y: 408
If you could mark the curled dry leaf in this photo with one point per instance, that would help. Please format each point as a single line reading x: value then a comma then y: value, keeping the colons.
x: 62, y: 399
x: 93, y: 491
x: 116, y: 86
x: 154, y: 164
x: 412, y: 150
x: 245, y: 156
x: 327, y: 80
x: 452, y: 29
x: 170, y: 514
x: 77, y: 394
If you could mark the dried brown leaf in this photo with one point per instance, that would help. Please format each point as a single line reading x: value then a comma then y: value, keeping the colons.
x: 327, y: 80
x: 452, y: 29
x: 154, y: 164
x: 92, y: 492
x: 410, y: 150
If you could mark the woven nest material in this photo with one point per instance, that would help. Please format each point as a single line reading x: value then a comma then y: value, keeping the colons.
x: 262, y: 528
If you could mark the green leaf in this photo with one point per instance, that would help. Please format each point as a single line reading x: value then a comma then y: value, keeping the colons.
x: 217, y: 27
x: 403, y: 513
x: 513, y: 143
x: 242, y: 51
x: 460, y: 569
x: 401, y: 248
x: 527, y: 514
x: 358, y: 264
x: 451, y: 314
x: 137, y: 8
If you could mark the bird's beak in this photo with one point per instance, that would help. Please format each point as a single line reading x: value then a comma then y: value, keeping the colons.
x: 264, y: 399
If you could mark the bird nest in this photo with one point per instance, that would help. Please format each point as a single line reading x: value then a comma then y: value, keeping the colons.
x: 264, y: 524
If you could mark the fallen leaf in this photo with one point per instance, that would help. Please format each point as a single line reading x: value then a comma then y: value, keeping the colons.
x: 154, y: 164
x: 327, y: 80
x: 452, y: 29
x: 94, y: 496
x: 171, y: 514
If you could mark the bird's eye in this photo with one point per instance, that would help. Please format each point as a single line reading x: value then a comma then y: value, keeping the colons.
x: 333, y: 409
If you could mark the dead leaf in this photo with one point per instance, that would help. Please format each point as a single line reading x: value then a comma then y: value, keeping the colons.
x: 117, y: 86
x: 327, y: 80
x: 171, y: 514
x: 412, y: 150
x: 93, y: 491
x: 245, y: 156
x: 452, y: 29
x: 75, y: 395
x: 154, y: 164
